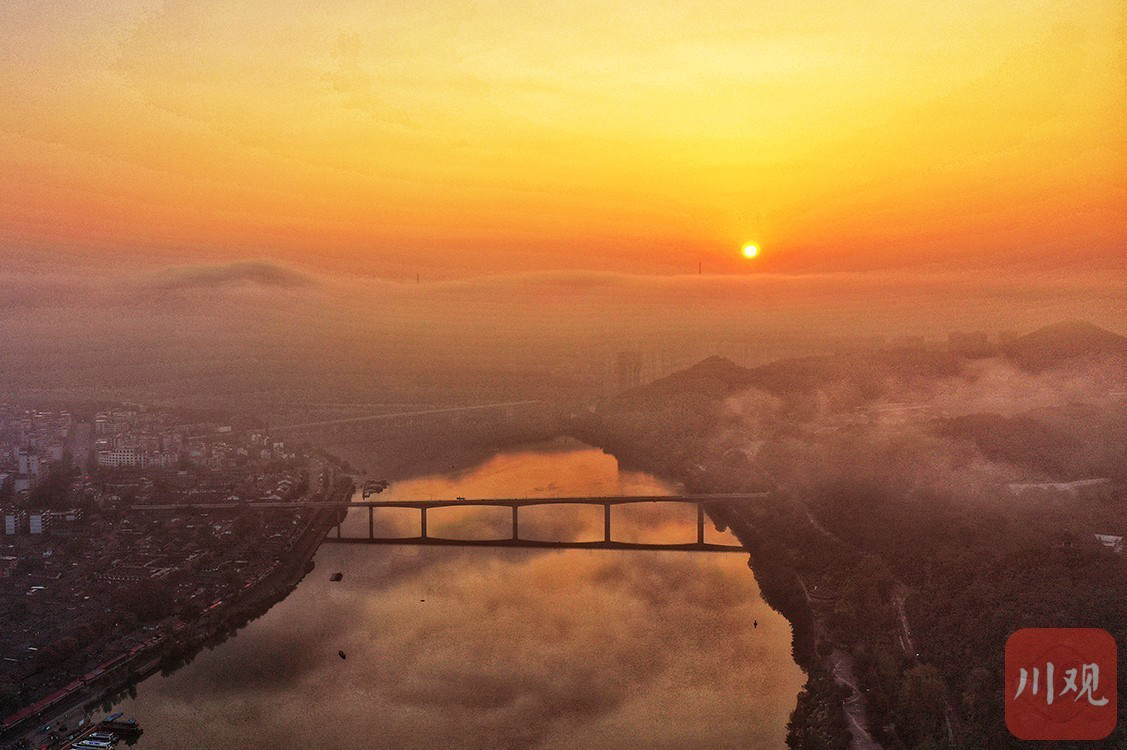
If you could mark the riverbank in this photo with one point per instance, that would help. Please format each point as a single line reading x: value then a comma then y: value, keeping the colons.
x: 165, y: 653
x: 220, y: 623
x: 820, y: 717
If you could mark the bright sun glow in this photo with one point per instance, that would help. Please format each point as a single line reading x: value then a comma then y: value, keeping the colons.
x: 750, y: 251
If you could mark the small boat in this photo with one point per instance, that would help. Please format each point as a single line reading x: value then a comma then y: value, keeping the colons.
x: 341, y: 654
x: 336, y: 577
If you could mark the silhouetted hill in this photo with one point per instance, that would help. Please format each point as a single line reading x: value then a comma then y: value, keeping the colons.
x: 859, y: 377
x: 710, y: 379
x: 864, y: 373
x: 1053, y: 344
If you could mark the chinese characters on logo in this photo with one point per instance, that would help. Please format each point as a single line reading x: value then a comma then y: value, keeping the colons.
x: 1089, y: 686
x: 1061, y: 684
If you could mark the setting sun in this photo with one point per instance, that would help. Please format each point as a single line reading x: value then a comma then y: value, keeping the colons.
x: 268, y: 266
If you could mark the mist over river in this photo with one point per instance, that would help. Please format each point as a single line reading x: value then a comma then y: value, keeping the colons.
x: 498, y: 648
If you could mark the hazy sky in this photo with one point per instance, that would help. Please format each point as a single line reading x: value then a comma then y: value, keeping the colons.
x: 461, y: 138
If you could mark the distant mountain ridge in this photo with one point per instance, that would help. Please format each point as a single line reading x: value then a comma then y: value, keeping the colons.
x: 1066, y: 340
x: 717, y: 377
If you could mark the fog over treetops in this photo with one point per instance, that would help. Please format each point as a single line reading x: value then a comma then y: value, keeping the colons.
x: 906, y: 423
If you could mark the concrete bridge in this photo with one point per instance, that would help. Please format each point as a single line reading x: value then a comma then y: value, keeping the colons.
x: 515, y: 504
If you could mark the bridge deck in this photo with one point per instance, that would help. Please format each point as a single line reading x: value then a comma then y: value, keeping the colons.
x: 537, y: 544
x: 501, y: 502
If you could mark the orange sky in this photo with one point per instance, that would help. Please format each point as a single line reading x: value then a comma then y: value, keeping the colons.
x: 477, y: 138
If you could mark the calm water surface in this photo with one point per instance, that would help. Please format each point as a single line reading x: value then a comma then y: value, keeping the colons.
x: 474, y: 648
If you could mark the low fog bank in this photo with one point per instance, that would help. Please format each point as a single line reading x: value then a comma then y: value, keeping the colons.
x: 934, y: 426
x: 258, y: 333
x: 941, y: 429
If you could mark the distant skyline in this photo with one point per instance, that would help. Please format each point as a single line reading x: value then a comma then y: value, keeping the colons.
x: 468, y: 139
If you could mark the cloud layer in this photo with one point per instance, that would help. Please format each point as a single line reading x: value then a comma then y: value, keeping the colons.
x: 151, y: 328
x: 258, y: 273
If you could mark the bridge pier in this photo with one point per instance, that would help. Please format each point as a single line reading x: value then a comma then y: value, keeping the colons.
x: 606, y: 523
x: 700, y: 523
x: 423, y: 535
x: 516, y: 534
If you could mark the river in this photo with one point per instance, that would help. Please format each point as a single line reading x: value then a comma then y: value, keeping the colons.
x: 502, y: 648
